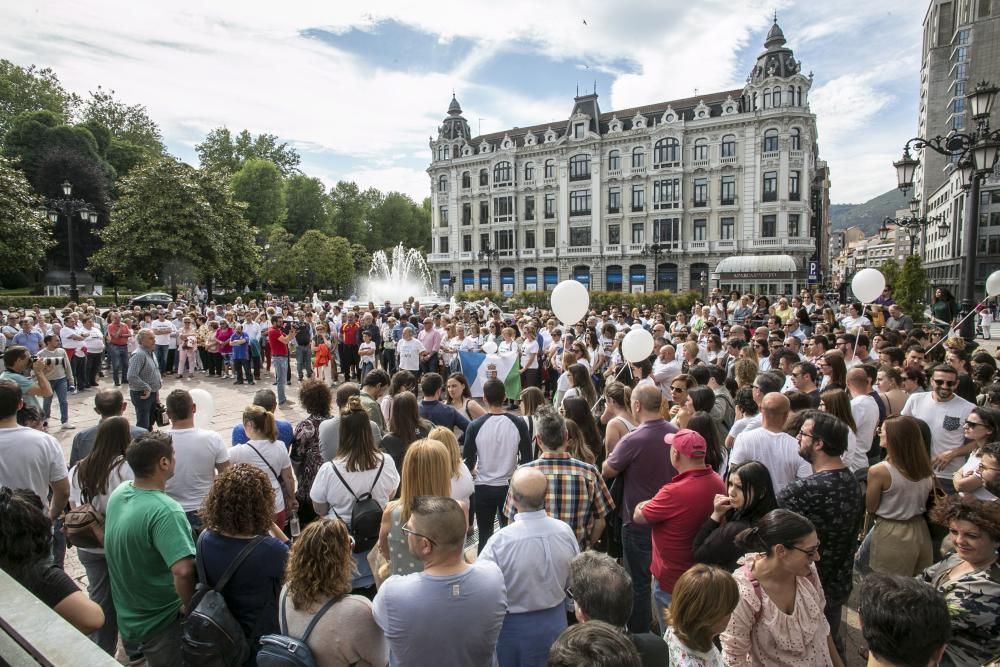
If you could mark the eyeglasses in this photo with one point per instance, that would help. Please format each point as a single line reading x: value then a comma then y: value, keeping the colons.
x: 407, y: 531
x: 811, y: 552
x: 983, y: 466
x: 677, y: 389
x: 945, y: 383
x: 803, y: 433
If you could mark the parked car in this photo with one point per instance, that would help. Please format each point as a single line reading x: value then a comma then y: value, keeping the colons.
x: 150, y: 299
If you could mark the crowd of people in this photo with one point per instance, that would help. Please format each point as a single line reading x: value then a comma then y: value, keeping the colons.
x: 711, y: 505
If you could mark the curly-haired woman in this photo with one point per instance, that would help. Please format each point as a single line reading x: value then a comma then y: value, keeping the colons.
x: 306, y: 453
x: 318, y: 583
x: 238, y: 511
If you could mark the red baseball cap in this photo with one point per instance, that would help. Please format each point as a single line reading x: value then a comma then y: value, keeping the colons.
x: 687, y: 442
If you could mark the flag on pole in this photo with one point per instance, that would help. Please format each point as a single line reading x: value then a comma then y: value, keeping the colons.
x: 478, y: 367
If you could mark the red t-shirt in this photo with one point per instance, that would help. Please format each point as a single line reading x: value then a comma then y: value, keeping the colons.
x: 675, y: 514
x: 118, y: 333
x: 349, y: 334
x: 278, y: 349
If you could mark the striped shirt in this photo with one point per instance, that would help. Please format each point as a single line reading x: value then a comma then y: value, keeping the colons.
x: 143, y: 373
x: 577, y: 493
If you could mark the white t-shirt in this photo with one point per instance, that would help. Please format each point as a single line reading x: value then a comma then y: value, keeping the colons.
x: 327, y: 487
x: 275, y: 453
x: 945, y: 421
x: 462, y: 486
x: 779, y: 452
x: 196, y: 452
x: 366, y: 351
x: 409, y: 354
x: 120, y: 472
x: 971, y: 466
x: 162, y: 338
x: 865, y: 412
x: 69, y: 343
x: 30, y: 459
x: 93, y: 340
x: 528, y: 349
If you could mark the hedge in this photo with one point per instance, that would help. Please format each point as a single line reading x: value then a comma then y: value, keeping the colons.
x: 23, y: 302
x: 598, y: 300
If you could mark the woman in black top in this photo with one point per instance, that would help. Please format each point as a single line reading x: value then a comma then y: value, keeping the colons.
x: 751, y: 496
x: 405, y: 427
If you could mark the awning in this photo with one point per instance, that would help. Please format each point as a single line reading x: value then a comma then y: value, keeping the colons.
x: 757, y: 267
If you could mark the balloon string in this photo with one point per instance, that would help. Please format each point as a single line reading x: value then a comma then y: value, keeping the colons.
x: 855, y: 353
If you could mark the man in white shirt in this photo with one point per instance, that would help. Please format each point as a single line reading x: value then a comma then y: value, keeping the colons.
x: 72, y: 341
x: 534, y: 553
x: 864, y: 409
x: 199, y: 454
x: 409, y: 352
x: 666, y: 367
x: 162, y: 330
x: 945, y: 414
x: 769, y: 444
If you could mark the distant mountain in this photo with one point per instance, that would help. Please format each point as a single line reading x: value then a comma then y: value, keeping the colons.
x: 867, y: 216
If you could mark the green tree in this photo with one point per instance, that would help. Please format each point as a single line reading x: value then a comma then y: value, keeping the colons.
x: 279, y: 266
x: 911, y: 286
x: 221, y: 151
x: 350, y: 209
x: 361, y: 258
x: 258, y: 183
x: 24, y: 89
x: 315, y: 252
x: 342, y: 272
x: 125, y: 122
x: 306, y: 204
x: 25, y: 232
x: 235, y: 254
x: 890, y: 270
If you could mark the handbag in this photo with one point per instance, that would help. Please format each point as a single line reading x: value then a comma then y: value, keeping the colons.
x: 160, y: 415
x: 84, y: 527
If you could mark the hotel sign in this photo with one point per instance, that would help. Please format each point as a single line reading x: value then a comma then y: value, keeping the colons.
x: 760, y: 275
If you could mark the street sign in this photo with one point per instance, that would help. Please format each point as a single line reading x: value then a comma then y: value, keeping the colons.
x: 813, y: 276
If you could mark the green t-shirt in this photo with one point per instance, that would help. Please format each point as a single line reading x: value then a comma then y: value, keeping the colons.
x: 146, y: 532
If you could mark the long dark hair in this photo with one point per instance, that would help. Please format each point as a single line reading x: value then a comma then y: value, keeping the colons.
x: 583, y: 383
x: 405, y: 422
x: 357, y: 444
x: 758, y: 492
x: 703, y: 423
x: 94, y: 470
x: 577, y: 410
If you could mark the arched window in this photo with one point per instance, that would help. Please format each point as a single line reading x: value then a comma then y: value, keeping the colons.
x: 550, y: 168
x: 791, y: 96
x: 770, y: 140
x: 484, y: 177
x: 614, y: 160
x: 798, y: 96
x: 796, y: 139
x: 529, y: 171
x: 729, y: 145
x: 767, y: 98
x: 502, y: 173
x: 776, y: 99
x: 701, y: 149
x: 466, y: 180
x: 666, y: 151
x: 638, y: 157
x: 442, y: 183
x: 579, y: 167
x: 754, y: 107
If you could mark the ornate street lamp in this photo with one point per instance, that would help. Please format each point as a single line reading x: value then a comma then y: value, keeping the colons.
x: 977, y: 153
x: 654, y: 250
x: 69, y: 207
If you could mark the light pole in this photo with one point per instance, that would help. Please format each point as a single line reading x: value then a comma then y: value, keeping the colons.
x: 488, y: 254
x: 655, y: 250
x: 977, y: 155
x: 69, y: 207
x: 914, y: 224
x: 704, y: 285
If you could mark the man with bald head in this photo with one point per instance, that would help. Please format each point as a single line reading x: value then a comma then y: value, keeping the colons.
x: 645, y: 457
x: 534, y: 553
x: 666, y: 367
x: 769, y: 444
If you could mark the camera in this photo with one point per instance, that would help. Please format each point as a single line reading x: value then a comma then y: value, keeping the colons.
x: 294, y: 324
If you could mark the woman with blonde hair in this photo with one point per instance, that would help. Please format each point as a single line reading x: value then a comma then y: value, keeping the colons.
x: 462, y: 486
x: 263, y: 450
x: 317, y: 591
x: 426, y: 472
x: 898, y: 487
x: 578, y: 448
x: 745, y: 371
x: 703, y: 601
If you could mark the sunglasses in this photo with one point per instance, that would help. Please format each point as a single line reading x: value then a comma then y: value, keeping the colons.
x: 945, y: 383
x: 969, y: 424
x: 677, y: 389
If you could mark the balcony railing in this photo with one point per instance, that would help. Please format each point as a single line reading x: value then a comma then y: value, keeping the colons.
x: 770, y: 155
x: 765, y: 243
x: 550, y: 180
x: 548, y: 252
x: 466, y: 256
x: 614, y: 173
x: 439, y: 257
x: 579, y: 250
x: 638, y: 170
x: 635, y: 248
x: 770, y: 196
x: 729, y: 159
x: 699, y: 203
x: 697, y: 246
x: 795, y: 155
x: 724, y: 245
x: 700, y: 163
x: 528, y: 254
x: 615, y: 249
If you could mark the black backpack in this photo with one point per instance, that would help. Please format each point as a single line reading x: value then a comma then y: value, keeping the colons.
x: 211, y: 636
x: 286, y: 651
x: 366, y: 513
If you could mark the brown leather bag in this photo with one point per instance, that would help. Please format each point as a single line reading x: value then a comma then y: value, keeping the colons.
x: 84, y: 527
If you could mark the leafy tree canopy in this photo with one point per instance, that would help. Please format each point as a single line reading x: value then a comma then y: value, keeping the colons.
x: 258, y: 183
x: 25, y: 232
x: 221, y: 151
x: 24, y: 89
x: 307, y: 204
x: 125, y: 122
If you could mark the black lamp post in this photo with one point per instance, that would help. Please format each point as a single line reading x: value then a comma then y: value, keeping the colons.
x: 655, y: 250
x: 70, y: 207
x: 704, y: 285
x: 914, y: 224
x: 977, y: 156
x: 487, y: 254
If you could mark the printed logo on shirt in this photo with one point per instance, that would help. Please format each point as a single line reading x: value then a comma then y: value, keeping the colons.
x: 952, y: 423
x: 491, y: 371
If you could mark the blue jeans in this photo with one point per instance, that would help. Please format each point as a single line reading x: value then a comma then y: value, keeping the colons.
x: 118, y: 354
x: 637, y: 556
x: 99, y: 590
x: 661, y: 601
x: 59, y: 388
x: 161, y: 357
x: 280, y: 375
x: 143, y: 409
x: 303, y: 360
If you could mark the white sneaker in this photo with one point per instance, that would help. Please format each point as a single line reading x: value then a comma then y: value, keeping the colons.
x: 66, y: 427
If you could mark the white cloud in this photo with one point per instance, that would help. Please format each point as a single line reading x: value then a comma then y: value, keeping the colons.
x: 245, y: 64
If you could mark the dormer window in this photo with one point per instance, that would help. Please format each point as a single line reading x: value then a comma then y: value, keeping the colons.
x: 579, y: 129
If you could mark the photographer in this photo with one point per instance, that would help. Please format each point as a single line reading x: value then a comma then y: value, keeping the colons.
x: 278, y: 337
x: 17, y: 360
x: 56, y: 367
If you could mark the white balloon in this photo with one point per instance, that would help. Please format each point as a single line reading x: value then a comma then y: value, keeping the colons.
x: 206, y: 408
x: 868, y: 284
x: 489, y: 347
x: 993, y: 284
x: 637, y: 345
x: 570, y: 300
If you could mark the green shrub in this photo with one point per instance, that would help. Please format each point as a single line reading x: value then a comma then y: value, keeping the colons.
x: 598, y: 300
x: 45, y: 302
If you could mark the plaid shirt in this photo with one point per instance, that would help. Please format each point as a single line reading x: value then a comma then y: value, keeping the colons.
x: 577, y: 493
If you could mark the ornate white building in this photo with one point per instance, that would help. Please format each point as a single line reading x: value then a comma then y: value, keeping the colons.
x: 652, y: 197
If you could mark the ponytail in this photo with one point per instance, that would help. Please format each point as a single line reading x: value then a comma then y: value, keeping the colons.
x: 262, y: 421
x: 776, y: 527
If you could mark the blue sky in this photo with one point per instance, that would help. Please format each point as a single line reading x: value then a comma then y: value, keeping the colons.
x: 358, y: 88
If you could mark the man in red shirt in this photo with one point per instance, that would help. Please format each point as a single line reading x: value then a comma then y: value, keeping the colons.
x: 277, y: 341
x: 677, y: 511
x: 349, y: 356
x: 117, y: 338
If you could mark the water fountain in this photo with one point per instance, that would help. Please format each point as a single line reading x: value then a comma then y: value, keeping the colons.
x: 400, y: 276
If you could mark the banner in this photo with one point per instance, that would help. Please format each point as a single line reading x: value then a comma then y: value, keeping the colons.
x: 478, y: 367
